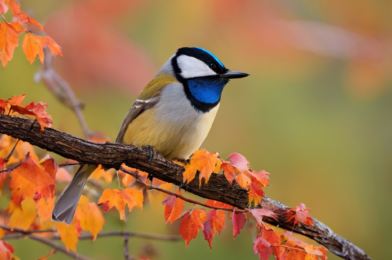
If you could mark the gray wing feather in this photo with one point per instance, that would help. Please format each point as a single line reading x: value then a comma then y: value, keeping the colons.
x: 138, y: 107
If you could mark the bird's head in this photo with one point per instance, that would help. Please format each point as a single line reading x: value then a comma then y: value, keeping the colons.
x: 190, y: 63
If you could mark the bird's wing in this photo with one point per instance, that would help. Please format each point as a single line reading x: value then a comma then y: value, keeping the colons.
x: 147, y: 99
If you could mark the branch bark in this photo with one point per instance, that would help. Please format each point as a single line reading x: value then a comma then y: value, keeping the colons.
x: 112, y: 155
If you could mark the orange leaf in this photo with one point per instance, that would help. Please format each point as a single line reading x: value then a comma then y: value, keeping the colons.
x: 55, y: 49
x: 25, y: 19
x: 91, y: 219
x: 14, y: 6
x: 300, y: 214
x: 243, y: 180
x: 218, y: 204
x: 69, y: 235
x: 44, y: 208
x: 202, y: 161
x: 261, y: 177
x: 6, y: 250
x: 119, y: 198
x: 3, y: 105
x: 8, y: 42
x: 42, y: 117
x: 215, y: 222
x: 41, y: 176
x: 238, y: 220
x: 192, y: 221
x: 255, y: 192
x: 16, y: 100
x: 228, y: 171
x: 173, y: 208
x: 47, y: 256
x: 32, y: 46
x: 99, y: 173
x: 23, y: 216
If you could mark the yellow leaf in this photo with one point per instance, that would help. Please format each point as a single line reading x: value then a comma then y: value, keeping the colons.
x: 24, y: 216
x: 69, y: 235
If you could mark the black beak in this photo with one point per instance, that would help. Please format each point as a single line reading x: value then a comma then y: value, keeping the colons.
x: 234, y: 74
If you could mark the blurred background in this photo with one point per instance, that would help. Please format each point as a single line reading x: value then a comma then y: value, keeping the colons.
x: 315, y: 112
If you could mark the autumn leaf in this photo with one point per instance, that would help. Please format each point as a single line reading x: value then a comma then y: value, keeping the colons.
x: 173, y: 208
x: 47, y: 256
x: 23, y: 216
x: 44, y: 208
x: 68, y: 235
x: 63, y: 175
x: 259, y: 213
x: 14, y: 6
x: 300, y: 214
x: 255, y: 191
x: 42, y: 117
x: 41, y: 176
x: 239, y: 161
x: 3, y: 105
x: 119, y: 198
x: 26, y: 20
x: 228, y: 171
x: 55, y: 49
x: 3, y: 8
x: 243, y: 180
x: 202, y: 161
x: 91, y: 219
x: 192, y: 221
x: 8, y: 42
x: 16, y: 100
x: 260, y: 177
x: 99, y: 173
x: 215, y: 223
x: 263, y: 248
x: 238, y: 220
x: 218, y: 204
x: 6, y: 250
x: 32, y: 46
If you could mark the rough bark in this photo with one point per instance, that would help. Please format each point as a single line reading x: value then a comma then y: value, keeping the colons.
x: 218, y: 188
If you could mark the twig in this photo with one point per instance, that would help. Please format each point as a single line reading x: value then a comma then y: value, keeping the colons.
x: 12, y: 151
x: 5, y: 20
x: 126, y: 247
x: 69, y: 164
x: 61, y: 89
x: 26, y: 232
x: 58, y: 247
x: 11, y: 168
x: 113, y: 155
x: 86, y: 236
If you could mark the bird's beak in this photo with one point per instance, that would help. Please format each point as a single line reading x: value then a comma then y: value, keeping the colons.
x: 234, y: 74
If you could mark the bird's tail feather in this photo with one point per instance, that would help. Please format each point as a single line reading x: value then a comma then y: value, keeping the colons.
x: 64, y: 209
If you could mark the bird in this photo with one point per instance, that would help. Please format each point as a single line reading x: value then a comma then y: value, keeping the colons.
x: 173, y: 114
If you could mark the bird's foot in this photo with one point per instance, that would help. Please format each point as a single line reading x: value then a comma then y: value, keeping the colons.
x: 151, y: 178
x: 183, y: 185
x: 150, y: 149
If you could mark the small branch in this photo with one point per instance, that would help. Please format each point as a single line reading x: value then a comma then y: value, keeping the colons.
x: 126, y: 247
x: 69, y: 164
x: 5, y: 20
x: 12, y: 151
x: 58, y: 247
x: 113, y: 155
x: 86, y: 236
x: 61, y: 89
x: 11, y: 168
x: 26, y: 232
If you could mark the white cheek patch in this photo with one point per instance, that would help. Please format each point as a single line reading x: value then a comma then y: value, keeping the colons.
x: 192, y: 67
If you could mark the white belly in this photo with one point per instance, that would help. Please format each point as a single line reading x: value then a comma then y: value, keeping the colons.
x: 187, y: 127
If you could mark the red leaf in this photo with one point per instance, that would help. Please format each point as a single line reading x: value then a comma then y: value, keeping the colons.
x: 255, y: 192
x: 173, y: 208
x: 261, y: 177
x: 263, y: 248
x: 3, y: 8
x: 6, y: 250
x: 215, y: 222
x: 300, y: 214
x: 238, y: 220
x: 192, y: 221
x: 47, y: 256
x: 42, y: 117
x: 259, y: 213
x: 239, y: 161
x: 16, y: 100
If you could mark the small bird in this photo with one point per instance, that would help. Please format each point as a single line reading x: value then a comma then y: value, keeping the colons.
x: 173, y: 114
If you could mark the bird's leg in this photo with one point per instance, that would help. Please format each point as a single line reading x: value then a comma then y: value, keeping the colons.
x: 183, y: 185
x: 150, y: 149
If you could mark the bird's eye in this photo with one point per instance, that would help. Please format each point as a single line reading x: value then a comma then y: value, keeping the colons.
x: 212, y: 66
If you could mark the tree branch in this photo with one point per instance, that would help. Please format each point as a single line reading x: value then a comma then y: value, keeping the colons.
x: 218, y: 188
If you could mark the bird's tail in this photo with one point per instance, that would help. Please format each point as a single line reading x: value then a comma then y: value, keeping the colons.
x: 64, y: 209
